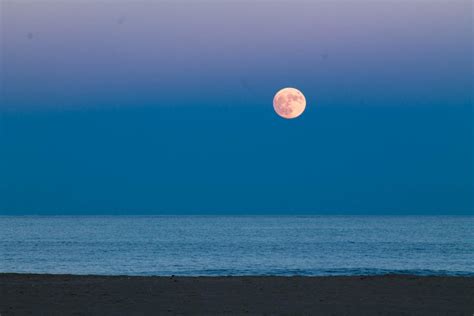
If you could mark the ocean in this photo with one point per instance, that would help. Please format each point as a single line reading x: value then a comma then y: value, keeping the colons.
x: 237, y: 245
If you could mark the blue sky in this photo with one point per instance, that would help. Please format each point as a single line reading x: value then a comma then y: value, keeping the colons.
x: 166, y: 107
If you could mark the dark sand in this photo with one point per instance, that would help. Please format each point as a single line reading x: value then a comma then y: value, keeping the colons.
x: 121, y: 295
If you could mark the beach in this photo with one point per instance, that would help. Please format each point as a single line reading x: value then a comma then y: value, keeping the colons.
x: 133, y: 295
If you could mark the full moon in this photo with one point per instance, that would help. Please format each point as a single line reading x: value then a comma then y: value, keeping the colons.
x: 289, y: 103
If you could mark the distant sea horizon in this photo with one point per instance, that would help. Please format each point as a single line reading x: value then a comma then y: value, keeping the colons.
x: 221, y: 245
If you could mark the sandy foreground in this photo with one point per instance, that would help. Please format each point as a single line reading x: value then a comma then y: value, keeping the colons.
x: 121, y: 295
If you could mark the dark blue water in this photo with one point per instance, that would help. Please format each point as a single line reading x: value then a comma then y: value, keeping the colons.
x: 244, y: 245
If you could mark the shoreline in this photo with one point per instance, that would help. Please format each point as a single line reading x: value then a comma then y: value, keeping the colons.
x: 65, y: 294
x: 393, y: 274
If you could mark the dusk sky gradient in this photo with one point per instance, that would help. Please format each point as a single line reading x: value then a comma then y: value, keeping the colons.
x: 165, y: 107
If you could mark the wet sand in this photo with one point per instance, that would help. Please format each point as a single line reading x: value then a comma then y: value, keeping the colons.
x: 121, y: 295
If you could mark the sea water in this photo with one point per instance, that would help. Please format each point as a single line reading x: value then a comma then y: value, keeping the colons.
x: 238, y: 245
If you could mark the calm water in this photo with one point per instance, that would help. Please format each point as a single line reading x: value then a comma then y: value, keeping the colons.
x: 208, y: 245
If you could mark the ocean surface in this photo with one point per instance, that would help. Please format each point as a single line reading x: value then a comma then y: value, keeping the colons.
x: 238, y: 245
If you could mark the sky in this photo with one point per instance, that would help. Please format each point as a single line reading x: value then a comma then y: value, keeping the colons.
x: 165, y: 107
